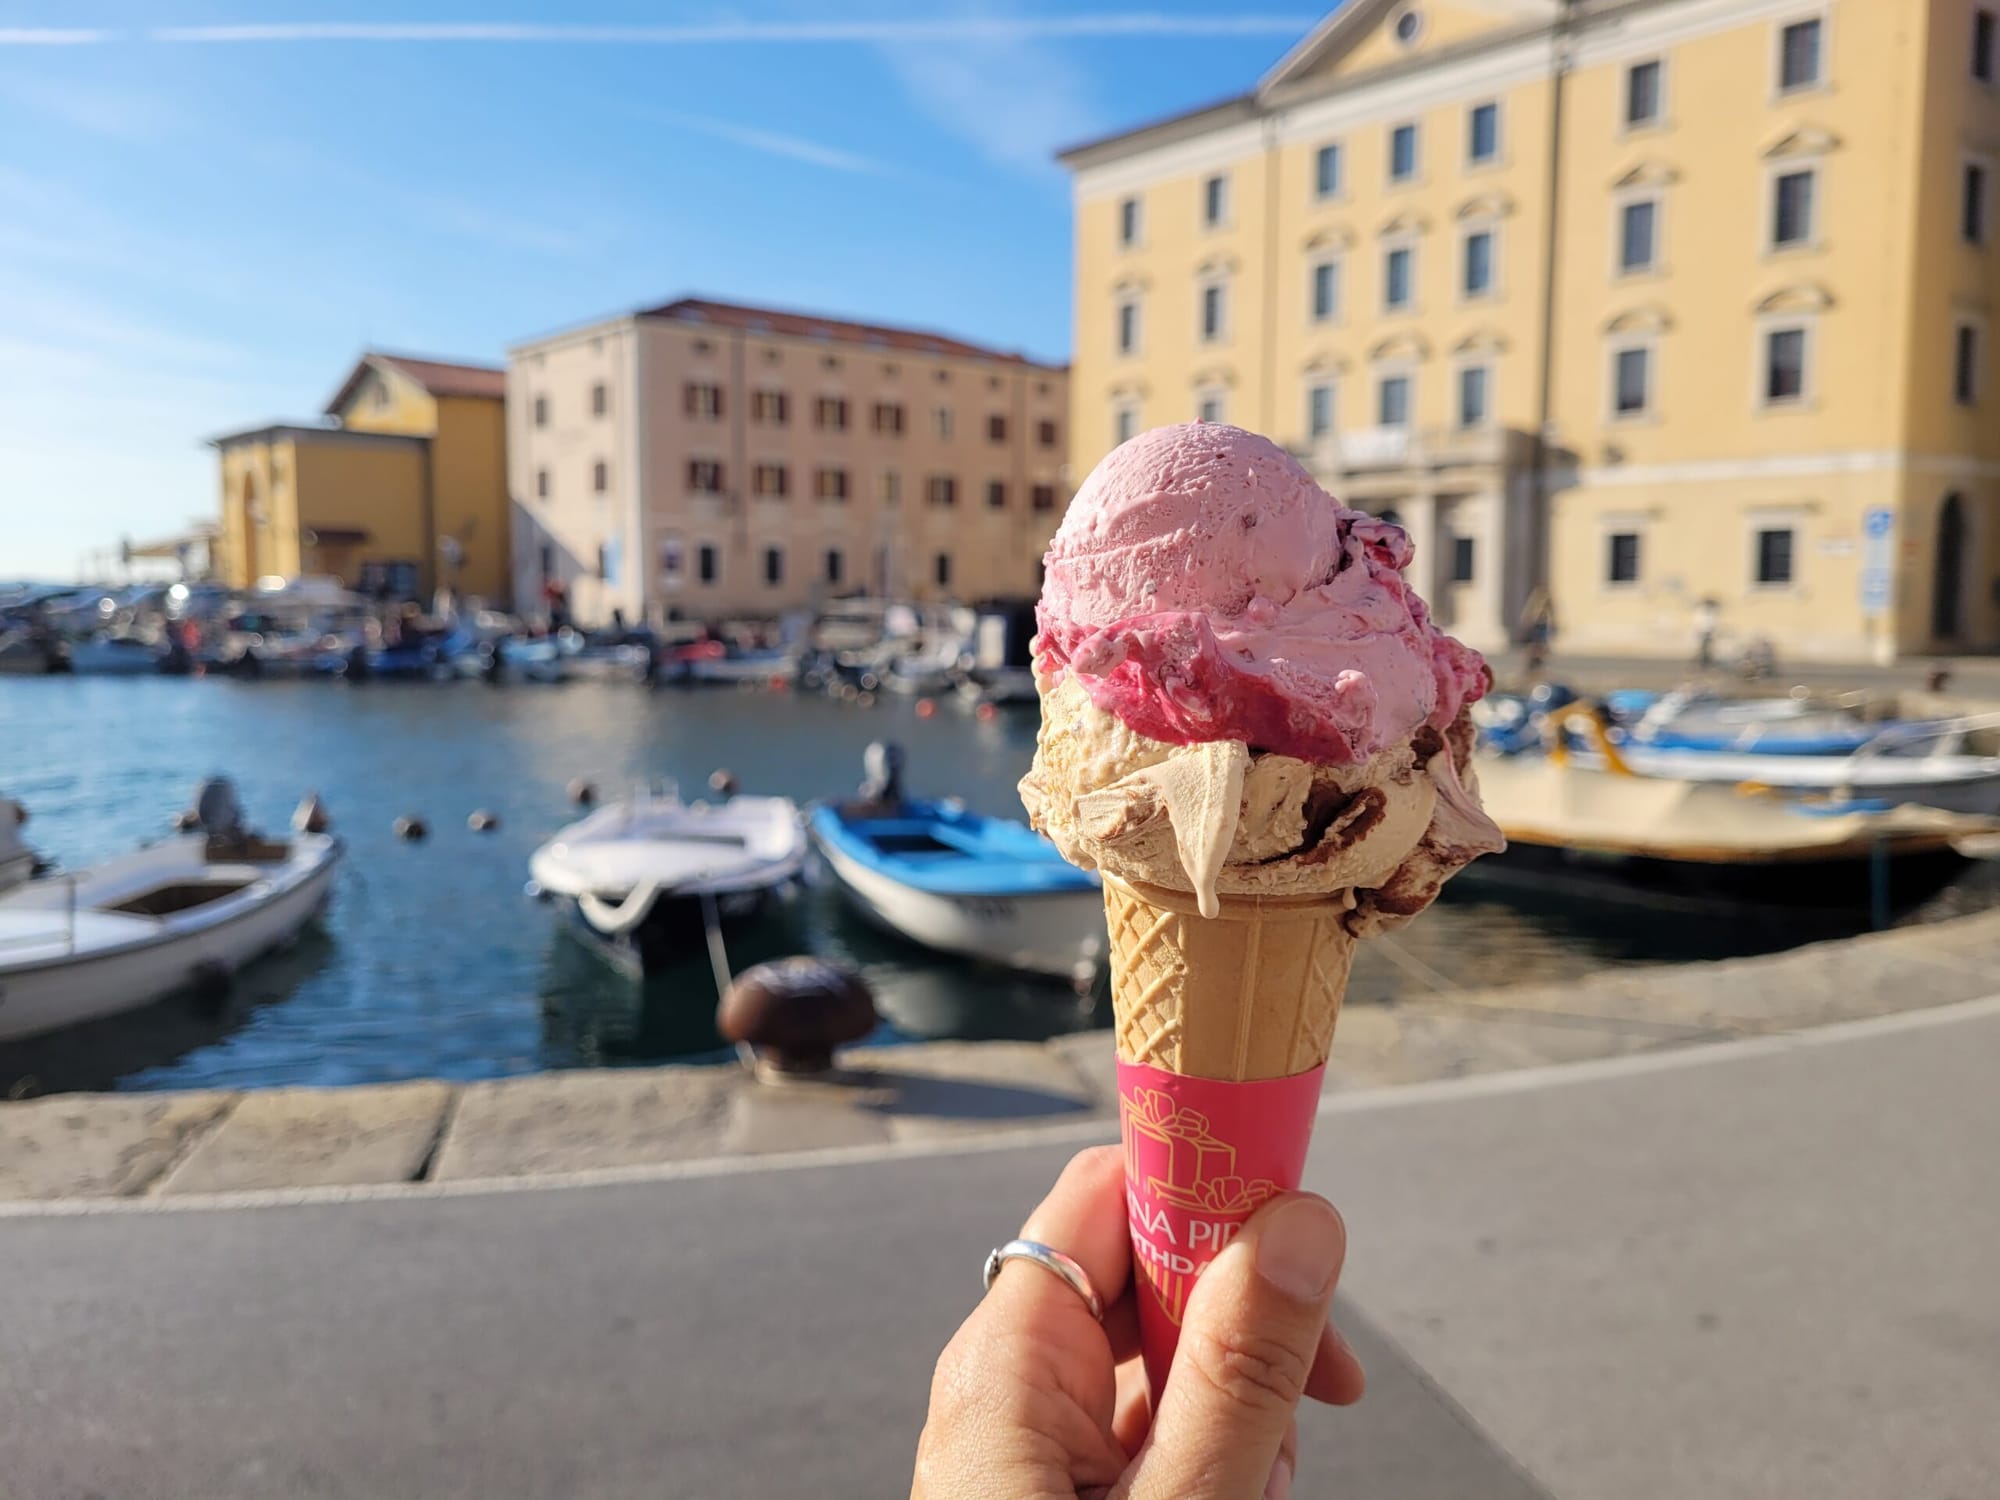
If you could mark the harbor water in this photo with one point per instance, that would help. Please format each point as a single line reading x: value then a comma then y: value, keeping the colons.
x: 435, y: 961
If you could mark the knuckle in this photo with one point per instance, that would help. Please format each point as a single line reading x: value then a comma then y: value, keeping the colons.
x: 1248, y: 1370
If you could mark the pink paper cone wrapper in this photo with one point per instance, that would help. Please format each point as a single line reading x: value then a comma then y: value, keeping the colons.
x: 1201, y: 1156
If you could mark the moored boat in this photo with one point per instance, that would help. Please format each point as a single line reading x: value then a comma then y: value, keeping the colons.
x: 185, y: 912
x: 636, y: 874
x: 1715, y: 840
x: 116, y: 656
x: 951, y: 879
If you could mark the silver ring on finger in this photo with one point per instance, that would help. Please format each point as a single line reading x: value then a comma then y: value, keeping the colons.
x: 1051, y: 1260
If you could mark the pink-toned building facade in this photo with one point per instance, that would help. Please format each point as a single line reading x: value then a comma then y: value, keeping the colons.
x: 712, y: 459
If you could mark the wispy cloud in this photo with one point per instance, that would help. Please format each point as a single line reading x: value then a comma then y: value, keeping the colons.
x: 1103, y: 24
x: 771, y: 142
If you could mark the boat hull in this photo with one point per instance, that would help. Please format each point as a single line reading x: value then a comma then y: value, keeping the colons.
x: 1059, y: 933
x: 1849, y: 881
x: 672, y: 932
x: 48, y: 995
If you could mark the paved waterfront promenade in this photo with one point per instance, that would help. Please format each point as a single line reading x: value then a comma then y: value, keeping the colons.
x: 195, y: 1145
x: 1748, y: 1271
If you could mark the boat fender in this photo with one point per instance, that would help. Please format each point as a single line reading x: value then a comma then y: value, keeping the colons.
x: 357, y: 664
x: 925, y: 708
x: 411, y: 830
x: 619, y: 919
x: 483, y: 821
x: 582, y: 793
x: 311, y: 816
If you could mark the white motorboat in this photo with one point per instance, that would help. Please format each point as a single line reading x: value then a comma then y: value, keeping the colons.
x: 636, y: 875
x: 115, y: 656
x: 760, y: 668
x: 999, y: 685
x: 1926, y: 763
x: 186, y: 912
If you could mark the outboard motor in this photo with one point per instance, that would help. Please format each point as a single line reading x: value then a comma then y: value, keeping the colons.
x: 217, y: 812
x: 883, y: 763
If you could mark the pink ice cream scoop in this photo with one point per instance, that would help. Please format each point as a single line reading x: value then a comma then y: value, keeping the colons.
x: 1203, y: 587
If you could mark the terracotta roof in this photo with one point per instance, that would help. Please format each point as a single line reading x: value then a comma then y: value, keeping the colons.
x: 437, y: 376
x: 773, y: 320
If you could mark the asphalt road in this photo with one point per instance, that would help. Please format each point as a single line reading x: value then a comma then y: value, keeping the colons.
x: 1764, y: 1272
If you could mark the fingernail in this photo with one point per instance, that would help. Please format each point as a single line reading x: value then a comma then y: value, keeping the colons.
x: 1280, y: 1486
x: 1299, y: 1249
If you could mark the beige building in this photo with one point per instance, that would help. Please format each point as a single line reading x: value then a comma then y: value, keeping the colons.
x: 1656, y: 302
x: 713, y: 459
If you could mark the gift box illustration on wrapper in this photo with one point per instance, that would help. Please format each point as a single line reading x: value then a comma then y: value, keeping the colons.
x: 1189, y: 1197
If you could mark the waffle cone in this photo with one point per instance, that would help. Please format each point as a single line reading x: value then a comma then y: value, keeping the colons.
x: 1253, y: 992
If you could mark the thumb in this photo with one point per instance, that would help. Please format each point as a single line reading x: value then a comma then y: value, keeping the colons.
x: 1247, y: 1345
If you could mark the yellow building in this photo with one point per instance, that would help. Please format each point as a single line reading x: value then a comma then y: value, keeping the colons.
x: 403, y: 488
x: 1671, y: 305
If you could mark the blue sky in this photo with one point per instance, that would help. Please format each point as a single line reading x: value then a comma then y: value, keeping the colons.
x: 208, y: 209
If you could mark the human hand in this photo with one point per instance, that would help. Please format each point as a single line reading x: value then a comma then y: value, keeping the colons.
x: 1035, y: 1398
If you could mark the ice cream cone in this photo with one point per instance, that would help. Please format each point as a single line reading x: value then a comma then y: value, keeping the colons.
x: 1251, y: 993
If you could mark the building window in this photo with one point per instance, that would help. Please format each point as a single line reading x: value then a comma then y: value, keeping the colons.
x: 1982, y: 44
x: 1124, y: 422
x: 1631, y: 381
x: 770, y: 480
x: 1409, y: 26
x: 888, y: 418
x: 1392, y: 401
x: 1638, y: 236
x: 1319, y: 409
x: 707, y: 562
x: 541, y: 484
x: 1792, y: 196
x: 889, y: 488
x: 1482, y: 135
x: 1208, y: 406
x: 941, y: 570
x: 1800, y: 64
x: 830, y: 484
x: 1128, y: 326
x: 1642, y: 94
x: 1215, y: 201
x: 774, y: 566
x: 705, y: 476
x: 770, y: 408
x: 1325, y: 291
x: 703, y: 400
x: 1128, y: 222
x: 941, y: 422
x: 1773, y: 561
x: 1475, y: 388
x: 1972, y: 205
x: 1045, y: 434
x: 1403, y: 153
x: 1042, y: 497
x: 1214, y: 311
x: 836, y: 565
x: 600, y: 476
x: 1621, y: 561
x: 941, y: 489
x: 1398, y: 279
x: 541, y: 411
x: 1965, y: 366
x: 1326, y: 172
x: 830, y: 413
x: 548, y: 562
x: 996, y: 428
x: 1784, y: 366
x: 600, y: 399
x: 1462, y: 554
x: 1479, y: 263
x: 996, y: 494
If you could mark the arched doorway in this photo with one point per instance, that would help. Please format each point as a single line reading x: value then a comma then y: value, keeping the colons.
x: 1948, y: 572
